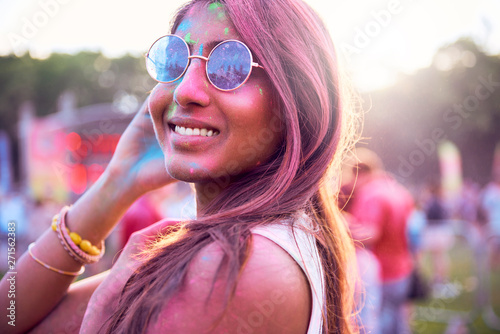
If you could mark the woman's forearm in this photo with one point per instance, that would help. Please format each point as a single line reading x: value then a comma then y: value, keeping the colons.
x: 37, y: 289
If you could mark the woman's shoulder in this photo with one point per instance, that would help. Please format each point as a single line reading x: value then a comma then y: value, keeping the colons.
x: 272, y: 294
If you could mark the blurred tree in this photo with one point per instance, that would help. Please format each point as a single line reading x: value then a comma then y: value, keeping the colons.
x: 93, y: 78
x: 456, y: 98
x: 17, y: 83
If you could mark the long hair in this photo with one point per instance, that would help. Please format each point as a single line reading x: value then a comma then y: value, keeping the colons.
x: 290, y: 41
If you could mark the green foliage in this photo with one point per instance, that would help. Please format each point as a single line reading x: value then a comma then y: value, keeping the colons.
x: 91, y: 76
x: 17, y: 77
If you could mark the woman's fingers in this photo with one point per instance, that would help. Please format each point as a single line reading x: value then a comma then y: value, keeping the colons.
x: 138, y: 158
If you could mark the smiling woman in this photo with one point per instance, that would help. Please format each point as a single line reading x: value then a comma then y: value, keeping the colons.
x: 192, y: 103
x: 250, y: 108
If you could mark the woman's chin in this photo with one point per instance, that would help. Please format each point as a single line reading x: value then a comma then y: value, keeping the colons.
x: 187, y: 174
x: 206, y: 180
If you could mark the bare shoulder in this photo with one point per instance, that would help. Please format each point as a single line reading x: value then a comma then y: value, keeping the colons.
x: 275, y: 270
x: 273, y: 290
x: 272, y: 295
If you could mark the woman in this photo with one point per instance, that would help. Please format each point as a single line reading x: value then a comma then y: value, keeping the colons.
x: 260, y: 135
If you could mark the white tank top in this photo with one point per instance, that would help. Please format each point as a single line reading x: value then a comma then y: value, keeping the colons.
x: 302, y: 248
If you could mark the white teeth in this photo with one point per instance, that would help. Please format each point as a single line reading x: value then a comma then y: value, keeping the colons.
x: 195, y: 132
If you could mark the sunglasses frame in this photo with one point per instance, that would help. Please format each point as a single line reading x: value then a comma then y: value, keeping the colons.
x: 252, y: 63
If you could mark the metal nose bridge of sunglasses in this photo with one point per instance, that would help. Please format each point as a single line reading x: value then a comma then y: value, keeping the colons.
x: 206, y: 59
x: 198, y: 57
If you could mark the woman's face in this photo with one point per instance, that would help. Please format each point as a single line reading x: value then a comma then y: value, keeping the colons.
x: 245, y: 122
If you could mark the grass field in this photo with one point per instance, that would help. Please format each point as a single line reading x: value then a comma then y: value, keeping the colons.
x: 460, y: 305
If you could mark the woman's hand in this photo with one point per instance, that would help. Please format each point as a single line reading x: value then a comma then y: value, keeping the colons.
x: 138, y: 159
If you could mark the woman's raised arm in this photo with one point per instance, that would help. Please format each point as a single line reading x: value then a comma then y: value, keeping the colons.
x: 136, y: 167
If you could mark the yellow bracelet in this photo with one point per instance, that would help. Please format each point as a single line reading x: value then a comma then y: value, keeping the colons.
x: 84, y: 252
x: 59, y: 271
x: 84, y: 244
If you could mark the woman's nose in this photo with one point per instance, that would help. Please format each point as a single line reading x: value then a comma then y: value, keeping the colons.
x: 193, y: 86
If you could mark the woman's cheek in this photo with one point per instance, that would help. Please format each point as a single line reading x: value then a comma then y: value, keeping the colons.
x: 160, y: 100
x: 161, y: 96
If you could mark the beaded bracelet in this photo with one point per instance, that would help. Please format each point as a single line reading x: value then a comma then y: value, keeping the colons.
x: 74, y: 248
x: 63, y: 272
x: 67, y: 248
x: 80, y: 250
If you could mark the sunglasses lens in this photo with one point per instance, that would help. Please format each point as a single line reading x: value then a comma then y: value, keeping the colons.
x: 167, y: 59
x: 229, y: 65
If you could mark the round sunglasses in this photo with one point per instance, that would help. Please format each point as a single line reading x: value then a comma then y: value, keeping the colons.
x: 228, y: 66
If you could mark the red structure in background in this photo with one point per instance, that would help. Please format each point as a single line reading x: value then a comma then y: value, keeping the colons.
x: 64, y: 153
x: 84, y: 174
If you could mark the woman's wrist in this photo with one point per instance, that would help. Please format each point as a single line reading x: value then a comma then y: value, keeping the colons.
x: 127, y: 186
x: 118, y: 182
x: 98, y: 211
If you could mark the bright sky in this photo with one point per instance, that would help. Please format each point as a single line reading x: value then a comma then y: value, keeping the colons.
x: 378, y: 37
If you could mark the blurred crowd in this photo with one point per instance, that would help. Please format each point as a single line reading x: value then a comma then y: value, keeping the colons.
x: 394, y: 226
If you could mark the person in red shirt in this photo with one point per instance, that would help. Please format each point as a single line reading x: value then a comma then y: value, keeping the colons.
x: 139, y: 216
x: 379, y: 210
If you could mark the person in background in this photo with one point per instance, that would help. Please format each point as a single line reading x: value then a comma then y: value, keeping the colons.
x: 416, y: 227
x: 139, y: 216
x: 368, y: 296
x: 379, y: 211
x: 438, y: 235
x: 13, y: 215
x: 468, y: 212
x: 490, y: 208
x: 172, y: 202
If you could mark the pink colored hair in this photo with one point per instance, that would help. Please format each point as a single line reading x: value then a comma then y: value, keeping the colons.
x: 291, y: 42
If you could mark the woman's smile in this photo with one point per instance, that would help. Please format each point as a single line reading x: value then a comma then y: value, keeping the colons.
x: 203, y: 132
x: 189, y: 134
